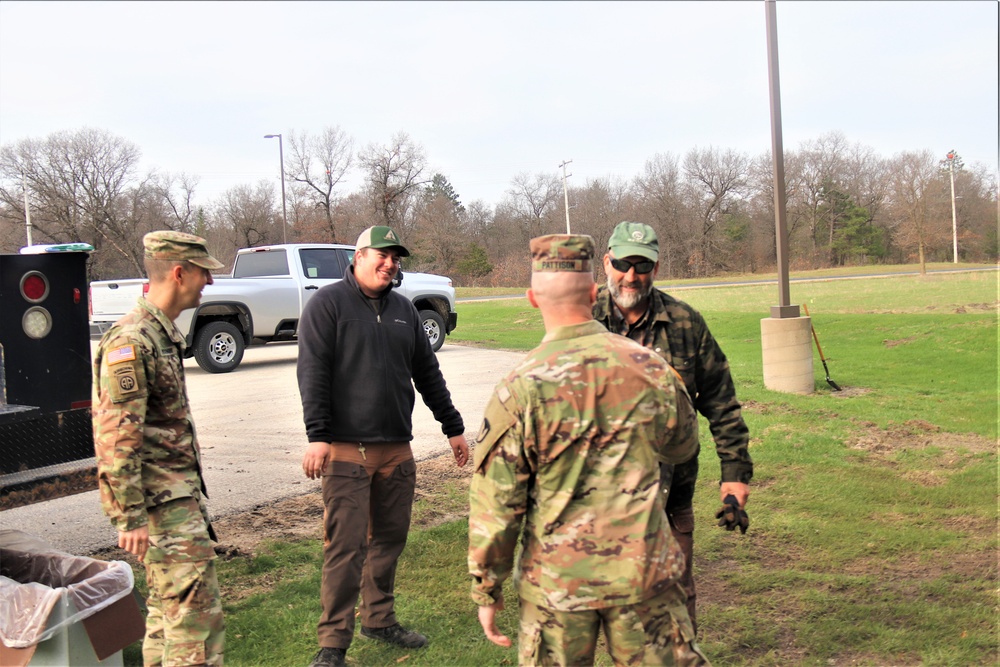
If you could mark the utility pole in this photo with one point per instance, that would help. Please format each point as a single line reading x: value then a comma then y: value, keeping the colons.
x: 566, y: 192
x: 27, y: 208
x: 284, y: 209
x: 950, y: 159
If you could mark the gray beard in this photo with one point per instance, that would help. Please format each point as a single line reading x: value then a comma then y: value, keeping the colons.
x: 630, y: 300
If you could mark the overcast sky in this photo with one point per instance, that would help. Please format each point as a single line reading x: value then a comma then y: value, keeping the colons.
x: 492, y: 89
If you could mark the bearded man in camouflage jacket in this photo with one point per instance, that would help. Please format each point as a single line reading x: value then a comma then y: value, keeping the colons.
x: 629, y: 305
x: 148, y: 460
x: 570, y: 446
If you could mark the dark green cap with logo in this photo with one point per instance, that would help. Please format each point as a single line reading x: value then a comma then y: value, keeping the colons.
x: 632, y: 239
x: 179, y: 247
x: 381, y: 237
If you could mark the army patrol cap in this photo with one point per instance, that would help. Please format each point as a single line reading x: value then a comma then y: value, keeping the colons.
x: 562, y: 252
x: 179, y: 247
x: 634, y: 239
x: 381, y: 237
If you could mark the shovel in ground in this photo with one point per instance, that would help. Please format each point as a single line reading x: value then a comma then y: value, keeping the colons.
x: 830, y: 382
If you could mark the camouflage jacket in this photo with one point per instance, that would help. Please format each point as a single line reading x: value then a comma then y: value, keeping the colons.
x: 679, y: 334
x: 571, y: 444
x: 147, y: 451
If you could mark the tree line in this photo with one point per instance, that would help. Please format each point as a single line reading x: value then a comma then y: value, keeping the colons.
x: 713, y: 208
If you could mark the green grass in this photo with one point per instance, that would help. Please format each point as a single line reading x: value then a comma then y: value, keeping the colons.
x: 873, y: 537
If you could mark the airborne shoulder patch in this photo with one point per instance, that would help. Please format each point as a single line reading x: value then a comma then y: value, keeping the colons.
x: 120, y: 354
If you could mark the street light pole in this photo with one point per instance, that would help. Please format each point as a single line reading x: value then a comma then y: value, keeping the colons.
x: 284, y: 210
x: 954, y: 218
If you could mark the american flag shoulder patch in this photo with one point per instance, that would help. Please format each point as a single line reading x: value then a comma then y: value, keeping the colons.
x: 120, y: 354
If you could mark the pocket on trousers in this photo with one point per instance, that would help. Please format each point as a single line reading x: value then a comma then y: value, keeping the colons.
x: 181, y: 654
x: 529, y: 646
x: 407, y: 468
x: 341, y: 479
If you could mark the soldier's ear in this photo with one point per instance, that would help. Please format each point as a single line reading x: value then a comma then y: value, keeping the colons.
x: 531, y: 298
x: 593, y: 293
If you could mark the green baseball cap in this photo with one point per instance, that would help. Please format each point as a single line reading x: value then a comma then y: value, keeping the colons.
x: 381, y: 237
x: 179, y: 247
x: 634, y: 238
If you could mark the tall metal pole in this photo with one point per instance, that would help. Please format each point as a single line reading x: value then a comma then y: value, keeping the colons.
x: 784, y: 307
x: 27, y: 208
x: 954, y: 218
x: 566, y: 192
x: 284, y: 210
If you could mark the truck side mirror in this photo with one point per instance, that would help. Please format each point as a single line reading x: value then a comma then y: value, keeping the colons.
x: 398, y: 279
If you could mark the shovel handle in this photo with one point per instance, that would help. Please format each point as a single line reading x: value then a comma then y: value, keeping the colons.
x: 815, y: 337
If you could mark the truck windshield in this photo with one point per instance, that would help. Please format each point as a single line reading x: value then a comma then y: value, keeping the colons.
x: 262, y: 263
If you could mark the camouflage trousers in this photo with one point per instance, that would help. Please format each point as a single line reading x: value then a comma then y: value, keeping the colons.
x: 679, y: 483
x: 656, y: 631
x: 184, y: 624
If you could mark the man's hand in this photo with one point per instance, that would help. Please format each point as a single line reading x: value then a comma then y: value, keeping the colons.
x: 135, y: 541
x: 460, y: 448
x: 488, y: 619
x: 738, y: 489
x: 732, y: 515
x: 315, y: 460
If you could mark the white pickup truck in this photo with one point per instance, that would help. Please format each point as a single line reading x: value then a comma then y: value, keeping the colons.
x: 264, y: 297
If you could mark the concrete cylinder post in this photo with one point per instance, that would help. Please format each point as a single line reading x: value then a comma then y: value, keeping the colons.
x: 786, y: 344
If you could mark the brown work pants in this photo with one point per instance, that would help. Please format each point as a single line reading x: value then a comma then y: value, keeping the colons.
x: 368, y: 497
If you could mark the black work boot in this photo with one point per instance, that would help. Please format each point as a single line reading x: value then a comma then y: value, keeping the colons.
x: 330, y: 657
x: 396, y: 634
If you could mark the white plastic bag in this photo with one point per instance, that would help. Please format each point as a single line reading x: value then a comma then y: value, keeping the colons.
x: 34, y: 576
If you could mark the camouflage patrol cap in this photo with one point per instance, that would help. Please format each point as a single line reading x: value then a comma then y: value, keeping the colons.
x: 634, y: 239
x: 179, y: 247
x: 562, y: 252
x: 381, y: 236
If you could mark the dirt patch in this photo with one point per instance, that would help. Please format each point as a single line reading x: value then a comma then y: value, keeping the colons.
x: 918, y: 434
x: 899, y: 341
x: 850, y: 392
x: 19, y: 495
x: 301, y: 518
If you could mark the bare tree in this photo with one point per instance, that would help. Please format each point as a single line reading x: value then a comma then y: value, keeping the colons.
x: 319, y: 164
x: 249, y: 215
x: 915, y: 182
x: 658, y: 189
x: 394, y: 174
x: 76, y: 184
x: 175, y: 194
x: 533, y: 199
x: 716, y: 180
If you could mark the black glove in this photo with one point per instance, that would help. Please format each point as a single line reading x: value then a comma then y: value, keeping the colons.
x: 732, y: 515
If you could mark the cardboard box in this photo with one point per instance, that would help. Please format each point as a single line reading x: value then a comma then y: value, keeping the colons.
x: 60, y: 609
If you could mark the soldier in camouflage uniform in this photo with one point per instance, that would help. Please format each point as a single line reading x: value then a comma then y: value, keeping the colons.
x: 148, y: 461
x: 631, y: 306
x: 570, y: 444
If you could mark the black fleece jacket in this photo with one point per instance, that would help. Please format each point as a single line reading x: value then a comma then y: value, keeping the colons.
x: 357, y: 357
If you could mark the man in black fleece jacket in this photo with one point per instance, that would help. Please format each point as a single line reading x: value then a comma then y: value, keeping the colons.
x: 362, y: 350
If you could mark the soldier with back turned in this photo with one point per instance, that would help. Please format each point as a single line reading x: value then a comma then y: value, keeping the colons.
x: 570, y: 447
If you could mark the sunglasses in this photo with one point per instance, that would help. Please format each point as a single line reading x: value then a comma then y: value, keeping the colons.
x: 641, y: 267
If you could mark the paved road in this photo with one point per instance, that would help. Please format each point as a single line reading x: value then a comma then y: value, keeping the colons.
x: 252, y: 437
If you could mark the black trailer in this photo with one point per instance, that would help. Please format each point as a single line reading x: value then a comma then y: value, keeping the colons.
x: 45, y: 371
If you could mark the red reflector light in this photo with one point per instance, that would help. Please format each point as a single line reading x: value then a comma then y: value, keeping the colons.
x: 76, y: 295
x: 145, y: 289
x: 34, y: 286
x: 76, y: 405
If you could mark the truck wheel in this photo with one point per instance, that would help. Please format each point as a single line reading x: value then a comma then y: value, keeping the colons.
x: 218, y: 347
x: 433, y: 327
